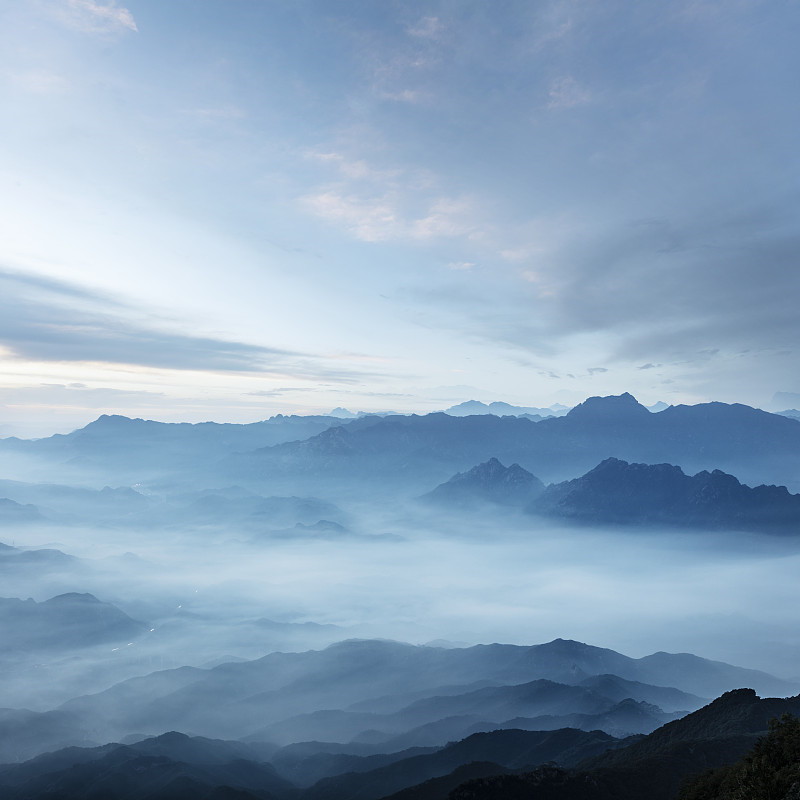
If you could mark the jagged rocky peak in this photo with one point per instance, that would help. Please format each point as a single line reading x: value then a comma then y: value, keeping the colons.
x: 490, y: 481
x: 618, y: 492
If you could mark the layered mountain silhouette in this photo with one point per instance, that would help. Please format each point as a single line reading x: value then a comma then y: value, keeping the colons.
x: 212, y: 530
x: 564, y: 763
x: 272, y: 697
x: 416, y: 451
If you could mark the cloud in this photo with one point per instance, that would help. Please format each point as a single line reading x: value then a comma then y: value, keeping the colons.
x: 594, y: 370
x: 407, y: 96
x: 225, y: 113
x: 369, y: 220
x: 73, y: 395
x: 382, y: 217
x: 47, y: 320
x: 426, y: 28
x: 93, y: 17
x: 39, y: 81
x: 565, y: 92
x: 386, y: 204
x: 676, y: 288
x: 356, y: 169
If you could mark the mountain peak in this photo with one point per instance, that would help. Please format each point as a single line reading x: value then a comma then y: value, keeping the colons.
x: 73, y: 597
x: 611, y: 407
x: 489, y: 481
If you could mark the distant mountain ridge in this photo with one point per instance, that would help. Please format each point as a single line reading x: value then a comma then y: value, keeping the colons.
x: 418, y: 451
x: 470, y: 407
x: 62, y: 621
x: 414, y: 452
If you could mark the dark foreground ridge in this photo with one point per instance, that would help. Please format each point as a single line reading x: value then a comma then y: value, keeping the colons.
x: 654, y: 767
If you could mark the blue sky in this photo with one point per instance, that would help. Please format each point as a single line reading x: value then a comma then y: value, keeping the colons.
x: 217, y: 210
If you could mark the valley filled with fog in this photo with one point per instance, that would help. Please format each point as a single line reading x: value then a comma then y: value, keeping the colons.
x: 208, y: 593
x: 174, y: 555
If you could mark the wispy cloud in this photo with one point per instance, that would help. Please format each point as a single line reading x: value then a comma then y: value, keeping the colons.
x: 381, y: 218
x: 46, y: 320
x: 426, y: 28
x: 38, y: 81
x: 566, y: 92
x: 353, y: 168
x: 464, y: 266
x: 228, y: 112
x: 78, y: 395
x: 371, y: 220
x: 94, y: 17
x: 380, y: 204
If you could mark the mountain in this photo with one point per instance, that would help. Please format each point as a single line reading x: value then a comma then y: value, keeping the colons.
x: 175, y: 765
x: 616, y: 492
x: 411, y: 453
x: 70, y: 504
x: 512, y: 749
x: 138, y: 449
x: 770, y: 769
x: 536, y: 705
x: 14, y: 559
x: 488, y: 482
x: 170, y: 767
x: 12, y: 512
x: 512, y: 764
x: 239, y: 699
x: 471, y: 407
x: 654, y: 766
x: 414, y: 452
x: 67, y: 621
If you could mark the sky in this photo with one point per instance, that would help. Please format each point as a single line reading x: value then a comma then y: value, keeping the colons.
x: 217, y: 210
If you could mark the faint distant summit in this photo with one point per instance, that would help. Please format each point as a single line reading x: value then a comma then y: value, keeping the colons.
x: 473, y: 407
x: 342, y: 413
x: 786, y: 399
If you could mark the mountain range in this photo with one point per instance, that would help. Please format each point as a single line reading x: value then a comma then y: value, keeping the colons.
x: 381, y: 692
x: 182, y: 602
x: 411, y: 453
x: 563, y: 764
x: 618, y: 493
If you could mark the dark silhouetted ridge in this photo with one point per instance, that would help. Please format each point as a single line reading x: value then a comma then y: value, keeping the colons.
x: 616, y: 492
x: 488, y: 482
